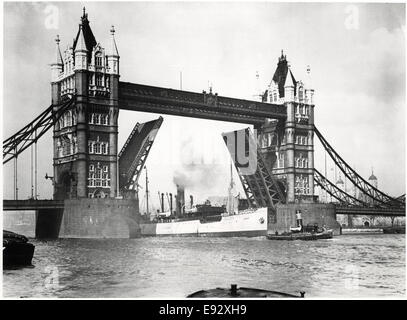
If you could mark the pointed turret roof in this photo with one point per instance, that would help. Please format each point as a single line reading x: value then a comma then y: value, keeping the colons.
x: 113, y: 47
x: 280, y: 74
x: 372, y: 177
x: 87, y: 34
x: 308, y: 81
x: 289, y: 82
x: 58, y: 52
x: 80, y: 41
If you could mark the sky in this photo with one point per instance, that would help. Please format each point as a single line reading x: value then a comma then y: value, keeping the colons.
x: 356, y: 53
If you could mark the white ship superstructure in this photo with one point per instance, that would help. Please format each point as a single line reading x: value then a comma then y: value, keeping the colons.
x: 247, y: 223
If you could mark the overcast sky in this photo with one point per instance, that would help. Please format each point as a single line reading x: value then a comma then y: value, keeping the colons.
x: 356, y: 54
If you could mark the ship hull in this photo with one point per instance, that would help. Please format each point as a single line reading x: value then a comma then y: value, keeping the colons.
x: 250, y: 224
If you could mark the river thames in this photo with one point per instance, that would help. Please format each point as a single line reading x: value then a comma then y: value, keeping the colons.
x: 347, y: 266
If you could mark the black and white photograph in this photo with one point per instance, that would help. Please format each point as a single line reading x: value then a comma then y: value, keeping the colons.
x: 203, y: 150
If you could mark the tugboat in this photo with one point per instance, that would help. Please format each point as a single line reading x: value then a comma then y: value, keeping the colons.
x: 395, y: 230
x: 16, y: 250
x: 235, y: 292
x: 309, y: 232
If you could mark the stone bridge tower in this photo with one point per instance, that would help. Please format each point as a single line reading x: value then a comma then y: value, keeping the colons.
x: 288, y: 146
x: 85, y: 137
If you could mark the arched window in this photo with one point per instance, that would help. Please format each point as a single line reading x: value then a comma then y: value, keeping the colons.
x: 99, y: 80
x: 104, y: 119
x: 104, y: 149
x: 98, y: 59
x: 74, y: 118
x: 90, y: 146
x: 280, y: 160
x: 97, y: 147
x: 98, y: 177
x: 68, y: 118
x: 301, y: 93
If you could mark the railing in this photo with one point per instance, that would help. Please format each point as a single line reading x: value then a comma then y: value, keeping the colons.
x: 31, y: 204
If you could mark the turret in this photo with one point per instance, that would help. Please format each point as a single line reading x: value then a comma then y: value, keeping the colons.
x: 81, y: 52
x: 340, y: 184
x: 289, y: 87
x: 57, y: 65
x: 113, y: 55
x: 373, y: 180
x: 309, y: 91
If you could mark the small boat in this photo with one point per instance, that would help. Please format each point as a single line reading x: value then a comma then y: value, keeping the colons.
x: 309, y: 233
x: 235, y: 292
x: 16, y: 250
x: 395, y: 230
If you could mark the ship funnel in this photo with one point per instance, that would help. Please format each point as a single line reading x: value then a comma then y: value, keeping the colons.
x: 162, y: 202
x: 171, y: 204
x: 191, y: 200
x: 180, y: 204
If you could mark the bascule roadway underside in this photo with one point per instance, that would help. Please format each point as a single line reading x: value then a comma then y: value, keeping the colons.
x: 137, y: 97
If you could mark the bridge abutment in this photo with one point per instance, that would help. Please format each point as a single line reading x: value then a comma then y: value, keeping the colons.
x: 100, y: 218
x: 48, y: 223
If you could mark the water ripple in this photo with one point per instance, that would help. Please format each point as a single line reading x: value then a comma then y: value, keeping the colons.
x: 347, y: 266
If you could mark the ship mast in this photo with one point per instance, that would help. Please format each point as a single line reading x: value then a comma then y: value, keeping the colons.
x: 230, y: 195
x: 147, y: 212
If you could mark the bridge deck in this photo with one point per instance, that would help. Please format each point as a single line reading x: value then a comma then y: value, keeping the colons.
x: 30, y: 204
x: 367, y: 211
x: 204, y: 105
x: 15, y: 205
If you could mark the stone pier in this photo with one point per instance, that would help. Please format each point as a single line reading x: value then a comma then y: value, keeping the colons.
x: 100, y: 218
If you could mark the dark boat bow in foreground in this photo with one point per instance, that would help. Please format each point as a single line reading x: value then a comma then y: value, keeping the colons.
x: 16, y: 250
x: 235, y: 292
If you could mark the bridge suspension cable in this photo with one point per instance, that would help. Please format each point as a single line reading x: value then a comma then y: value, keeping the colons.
x: 30, y: 134
x: 356, y: 179
x: 339, y: 194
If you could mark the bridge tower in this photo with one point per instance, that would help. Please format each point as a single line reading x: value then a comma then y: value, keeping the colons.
x: 85, y: 137
x: 288, y: 146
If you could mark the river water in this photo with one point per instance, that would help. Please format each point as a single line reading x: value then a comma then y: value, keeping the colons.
x: 348, y: 266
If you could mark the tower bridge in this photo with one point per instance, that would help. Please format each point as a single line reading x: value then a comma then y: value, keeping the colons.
x: 86, y: 97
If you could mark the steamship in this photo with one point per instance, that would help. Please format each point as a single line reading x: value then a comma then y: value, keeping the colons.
x: 206, y: 220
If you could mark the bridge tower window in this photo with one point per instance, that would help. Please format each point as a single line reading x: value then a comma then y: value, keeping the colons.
x: 74, y: 119
x: 105, y: 119
x: 104, y: 149
x: 99, y: 80
x: 301, y: 94
x: 98, y: 59
x: 90, y: 147
x: 97, y: 148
